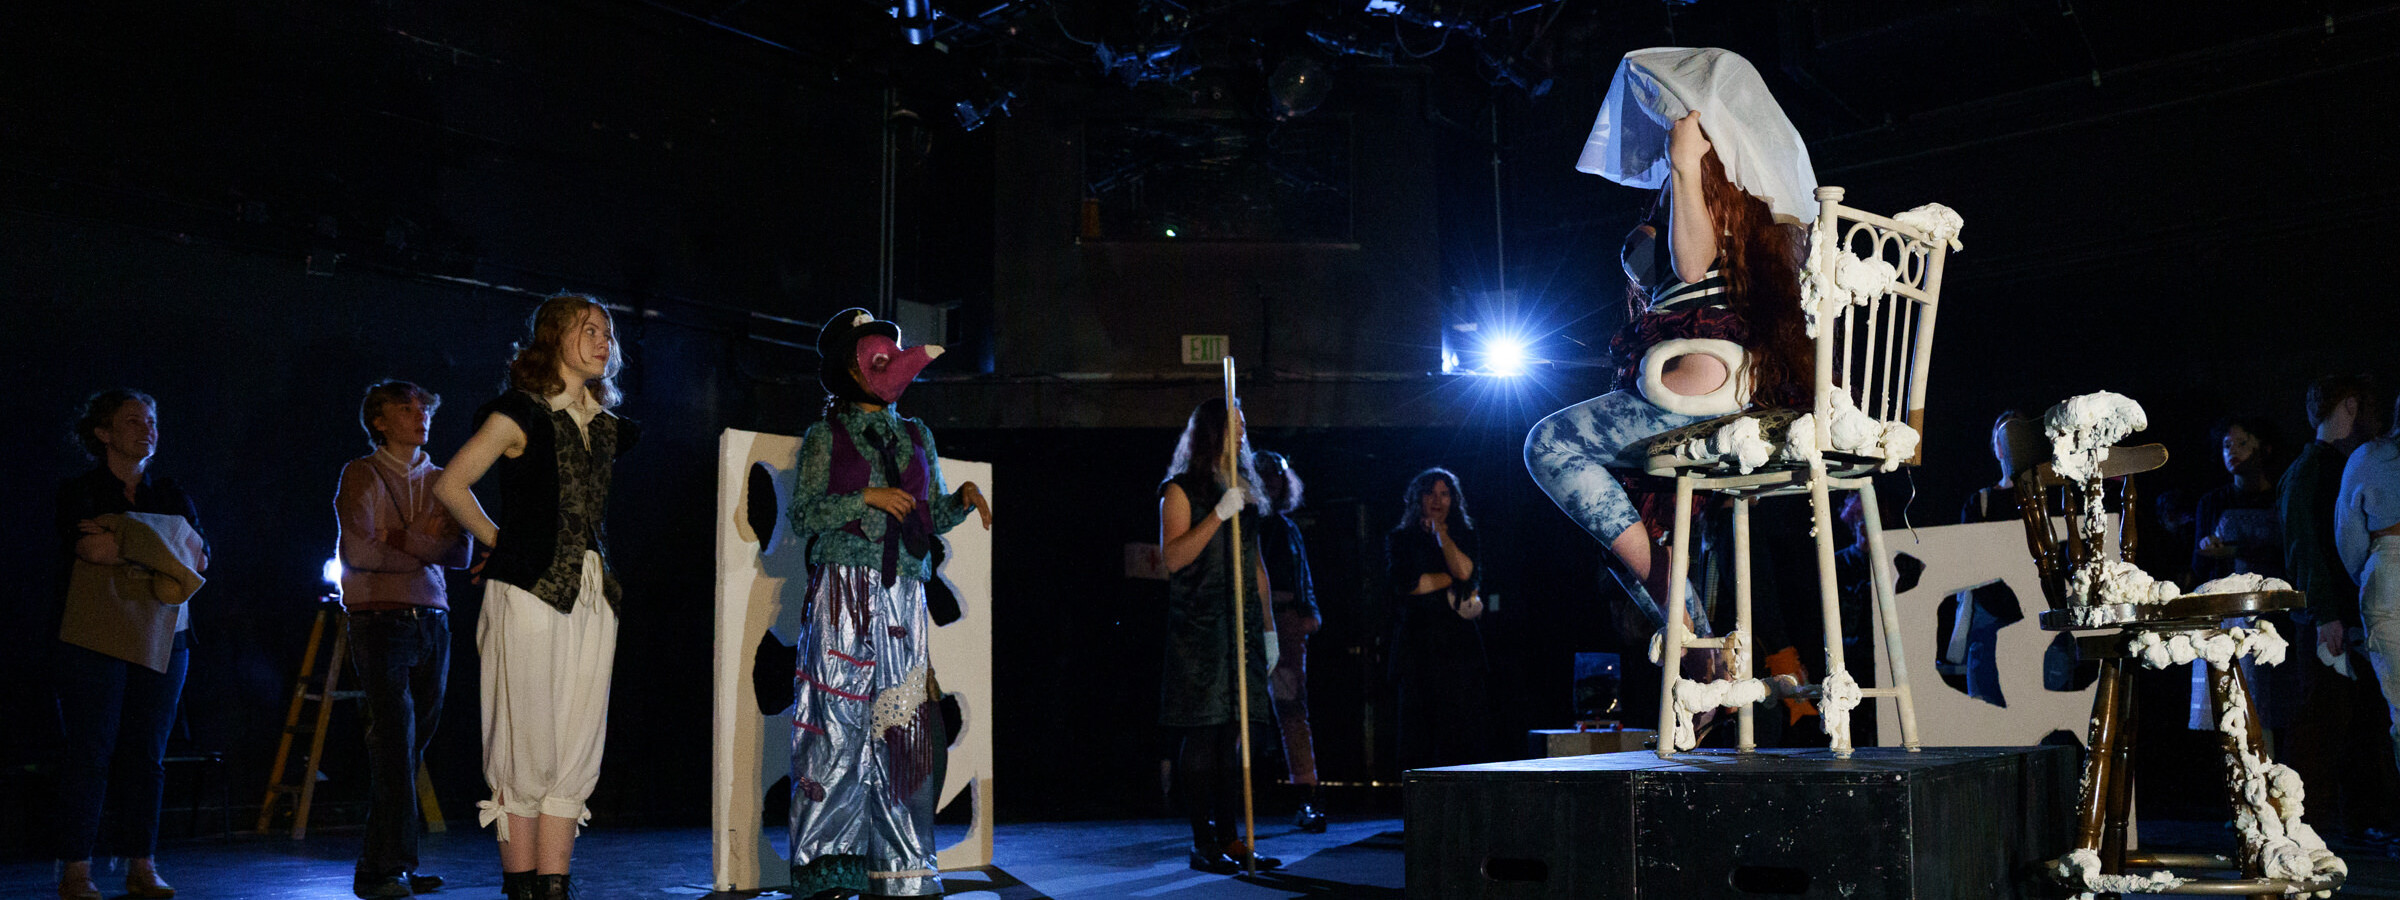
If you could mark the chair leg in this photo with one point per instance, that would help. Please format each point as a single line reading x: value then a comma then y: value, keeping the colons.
x: 2226, y: 692
x: 2100, y: 764
x: 2120, y: 787
x: 1837, y: 720
x: 1887, y: 614
x: 1738, y: 659
x: 1670, y: 657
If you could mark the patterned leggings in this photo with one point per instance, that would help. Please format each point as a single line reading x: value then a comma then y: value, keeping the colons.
x: 1569, y: 453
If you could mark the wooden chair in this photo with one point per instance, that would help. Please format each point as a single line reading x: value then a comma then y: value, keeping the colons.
x: 1874, y: 346
x: 2062, y: 543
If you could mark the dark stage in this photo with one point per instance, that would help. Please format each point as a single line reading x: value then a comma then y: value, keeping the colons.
x: 253, y: 210
x: 1355, y: 858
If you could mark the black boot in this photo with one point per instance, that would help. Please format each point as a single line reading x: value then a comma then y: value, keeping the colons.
x: 517, y: 885
x: 554, y: 887
x: 1213, y: 861
x: 1311, y: 817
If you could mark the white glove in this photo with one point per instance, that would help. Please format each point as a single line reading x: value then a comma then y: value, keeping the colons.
x: 1274, y: 649
x: 1230, y: 505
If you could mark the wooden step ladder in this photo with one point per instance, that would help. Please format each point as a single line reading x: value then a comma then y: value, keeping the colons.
x: 323, y: 691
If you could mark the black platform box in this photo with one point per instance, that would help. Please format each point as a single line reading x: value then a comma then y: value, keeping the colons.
x: 1963, y: 822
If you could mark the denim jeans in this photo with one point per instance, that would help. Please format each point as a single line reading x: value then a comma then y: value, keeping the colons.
x: 403, y: 663
x: 116, y: 716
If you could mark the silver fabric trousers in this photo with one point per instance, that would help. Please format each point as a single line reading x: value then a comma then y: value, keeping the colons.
x: 865, y: 764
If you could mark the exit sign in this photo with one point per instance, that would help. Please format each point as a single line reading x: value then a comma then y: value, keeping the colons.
x: 1205, y: 349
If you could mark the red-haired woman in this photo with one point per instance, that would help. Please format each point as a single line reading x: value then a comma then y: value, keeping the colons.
x: 548, y: 636
x: 1716, y: 321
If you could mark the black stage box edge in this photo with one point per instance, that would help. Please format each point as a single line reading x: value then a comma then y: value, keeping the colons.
x: 1971, y: 823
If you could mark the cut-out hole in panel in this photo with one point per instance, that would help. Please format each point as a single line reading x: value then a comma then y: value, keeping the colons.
x: 775, y: 809
x: 761, y: 504
x: 941, y: 599
x: 954, y: 718
x: 2065, y: 670
x: 772, y: 671
x: 2060, y: 737
x: 1910, y: 570
x: 1969, y: 662
x: 960, y: 811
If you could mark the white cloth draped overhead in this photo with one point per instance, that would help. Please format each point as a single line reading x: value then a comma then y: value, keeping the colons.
x: 1653, y: 88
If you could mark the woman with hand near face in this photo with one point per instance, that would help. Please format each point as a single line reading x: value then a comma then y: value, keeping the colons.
x: 1437, y: 655
x: 548, y: 632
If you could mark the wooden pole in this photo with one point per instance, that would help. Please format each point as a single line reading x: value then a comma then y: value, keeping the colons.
x: 1232, y: 467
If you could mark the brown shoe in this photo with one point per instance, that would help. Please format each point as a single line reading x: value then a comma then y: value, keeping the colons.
x: 74, y: 885
x: 144, y: 884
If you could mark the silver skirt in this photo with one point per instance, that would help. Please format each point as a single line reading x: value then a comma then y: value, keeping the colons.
x: 867, y: 749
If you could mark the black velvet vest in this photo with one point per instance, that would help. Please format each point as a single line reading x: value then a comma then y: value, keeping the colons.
x: 552, y: 497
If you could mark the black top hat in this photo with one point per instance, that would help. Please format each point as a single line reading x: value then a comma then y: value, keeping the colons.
x: 837, y: 349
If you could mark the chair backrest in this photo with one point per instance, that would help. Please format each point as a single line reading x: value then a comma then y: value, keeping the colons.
x: 1872, y: 285
x: 2056, y: 534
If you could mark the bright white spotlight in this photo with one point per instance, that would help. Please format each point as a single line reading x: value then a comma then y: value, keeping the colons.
x: 333, y: 570
x: 1504, y: 356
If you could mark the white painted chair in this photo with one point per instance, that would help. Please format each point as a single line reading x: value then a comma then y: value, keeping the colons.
x: 1872, y: 286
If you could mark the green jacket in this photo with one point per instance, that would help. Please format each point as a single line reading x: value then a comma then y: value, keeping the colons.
x: 824, y: 516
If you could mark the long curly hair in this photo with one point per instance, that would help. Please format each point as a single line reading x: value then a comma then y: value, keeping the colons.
x: 1762, y: 261
x: 534, y: 369
x: 1284, y: 488
x: 1204, y: 440
x: 1415, y: 495
x: 1762, y: 276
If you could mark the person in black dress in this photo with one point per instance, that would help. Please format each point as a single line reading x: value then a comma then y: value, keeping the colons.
x: 1196, y: 686
x: 1437, y: 652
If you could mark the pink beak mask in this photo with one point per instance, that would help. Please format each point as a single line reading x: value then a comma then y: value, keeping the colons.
x: 885, y: 369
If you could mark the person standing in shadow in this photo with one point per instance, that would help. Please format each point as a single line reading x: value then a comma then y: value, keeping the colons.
x: 1438, y: 659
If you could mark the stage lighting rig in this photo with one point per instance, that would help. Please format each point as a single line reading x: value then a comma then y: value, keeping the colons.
x: 1148, y: 62
x: 1517, y: 71
x: 915, y: 18
x: 972, y: 114
x: 994, y: 17
x: 1349, y: 45
x: 1428, y: 14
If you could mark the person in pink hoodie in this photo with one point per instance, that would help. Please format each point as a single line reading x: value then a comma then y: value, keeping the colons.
x: 395, y: 541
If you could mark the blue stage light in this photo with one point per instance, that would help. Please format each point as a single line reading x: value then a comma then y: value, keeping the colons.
x: 1504, y: 355
x: 333, y: 571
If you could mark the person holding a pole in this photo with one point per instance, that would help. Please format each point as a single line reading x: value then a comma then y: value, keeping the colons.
x: 1216, y: 588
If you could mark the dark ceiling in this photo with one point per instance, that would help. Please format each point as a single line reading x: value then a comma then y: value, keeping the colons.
x: 1837, y: 66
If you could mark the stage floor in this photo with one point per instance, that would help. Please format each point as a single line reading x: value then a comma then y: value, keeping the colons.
x: 1062, y: 860
x: 1354, y: 858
